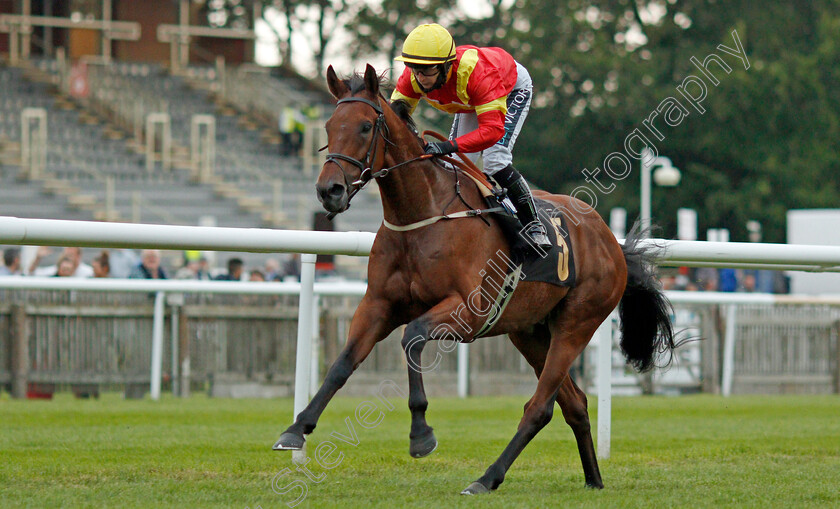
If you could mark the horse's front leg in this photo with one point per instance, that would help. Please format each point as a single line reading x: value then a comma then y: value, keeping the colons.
x: 435, y: 324
x: 371, y: 323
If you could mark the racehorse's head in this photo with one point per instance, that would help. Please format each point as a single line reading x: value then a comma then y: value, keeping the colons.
x: 352, y: 134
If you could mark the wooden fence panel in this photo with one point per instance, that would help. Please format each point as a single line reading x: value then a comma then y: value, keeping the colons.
x: 105, y: 338
x: 785, y: 349
x: 101, y: 344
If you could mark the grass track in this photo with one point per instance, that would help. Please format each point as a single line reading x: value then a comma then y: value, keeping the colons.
x: 690, y: 451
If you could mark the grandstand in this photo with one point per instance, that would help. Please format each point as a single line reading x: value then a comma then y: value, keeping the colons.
x: 122, y: 133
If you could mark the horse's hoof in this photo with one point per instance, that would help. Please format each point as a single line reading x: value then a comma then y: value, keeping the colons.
x: 592, y: 486
x: 423, y: 445
x: 289, y: 442
x: 476, y: 488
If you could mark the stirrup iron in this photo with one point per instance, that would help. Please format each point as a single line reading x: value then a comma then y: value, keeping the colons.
x: 538, y: 235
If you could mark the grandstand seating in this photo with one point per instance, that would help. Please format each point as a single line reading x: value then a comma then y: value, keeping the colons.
x: 92, y: 141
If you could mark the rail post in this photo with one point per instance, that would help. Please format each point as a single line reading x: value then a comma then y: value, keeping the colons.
x: 315, y: 362
x: 729, y: 350
x: 157, y: 345
x: 303, y: 357
x: 20, y: 351
x: 183, y: 354
x: 463, y: 370
x: 604, y: 335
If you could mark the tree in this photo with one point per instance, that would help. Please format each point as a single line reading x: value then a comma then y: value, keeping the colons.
x: 381, y: 28
x: 761, y: 147
x: 764, y: 142
x: 286, y: 10
x: 285, y: 18
x: 326, y: 18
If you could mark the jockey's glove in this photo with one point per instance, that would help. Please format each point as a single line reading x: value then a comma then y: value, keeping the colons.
x: 441, y: 148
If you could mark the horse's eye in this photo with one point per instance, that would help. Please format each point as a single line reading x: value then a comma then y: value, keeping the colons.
x: 366, y: 127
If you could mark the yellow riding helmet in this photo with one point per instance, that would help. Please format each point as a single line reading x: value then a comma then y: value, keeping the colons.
x: 428, y: 45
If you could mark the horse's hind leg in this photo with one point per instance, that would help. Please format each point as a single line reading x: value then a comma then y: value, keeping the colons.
x: 565, y: 345
x: 571, y: 399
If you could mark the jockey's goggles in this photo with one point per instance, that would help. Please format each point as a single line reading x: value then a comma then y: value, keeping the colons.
x: 429, y: 71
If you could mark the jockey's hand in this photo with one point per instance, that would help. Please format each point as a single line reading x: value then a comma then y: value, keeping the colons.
x: 441, y: 148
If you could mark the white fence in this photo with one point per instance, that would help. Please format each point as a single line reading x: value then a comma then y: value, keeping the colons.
x: 95, y: 234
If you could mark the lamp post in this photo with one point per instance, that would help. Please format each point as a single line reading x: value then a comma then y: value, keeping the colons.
x: 666, y: 175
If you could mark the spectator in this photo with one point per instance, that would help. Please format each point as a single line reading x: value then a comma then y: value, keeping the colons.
x: 234, y: 272
x: 748, y: 283
x: 781, y: 282
x: 710, y: 285
x: 256, y: 275
x: 291, y: 269
x: 203, y: 273
x: 74, y: 254
x: 290, y: 134
x: 668, y: 282
x: 188, y: 271
x: 707, y: 279
x: 122, y: 262
x: 727, y: 280
x: 149, y: 266
x: 101, y: 265
x: 11, y: 262
x: 765, y: 281
x: 681, y: 280
x: 195, y: 266
x: 312, y: 113
x: 65, y: 267
x: 272, y: 269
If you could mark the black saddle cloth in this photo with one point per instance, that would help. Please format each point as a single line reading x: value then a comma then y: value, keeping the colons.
x: 555, y: 265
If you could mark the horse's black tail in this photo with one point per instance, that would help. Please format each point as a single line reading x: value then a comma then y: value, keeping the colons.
x: 646, y: 328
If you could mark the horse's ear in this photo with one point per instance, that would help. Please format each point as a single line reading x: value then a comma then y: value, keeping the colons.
x: 371, y: 80
x: 337, y: 87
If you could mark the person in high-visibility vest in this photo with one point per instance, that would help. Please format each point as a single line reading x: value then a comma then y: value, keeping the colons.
x: 287, y: 125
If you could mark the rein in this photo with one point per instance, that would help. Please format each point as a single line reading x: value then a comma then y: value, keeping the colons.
x: 380, y: 128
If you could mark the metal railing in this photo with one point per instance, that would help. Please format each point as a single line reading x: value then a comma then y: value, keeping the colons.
x: 673, y: 253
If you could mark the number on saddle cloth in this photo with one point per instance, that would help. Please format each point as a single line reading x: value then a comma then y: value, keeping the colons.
x: 555, y: 266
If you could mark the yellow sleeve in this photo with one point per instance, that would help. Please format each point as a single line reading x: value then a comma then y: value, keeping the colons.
x: 412, y: 101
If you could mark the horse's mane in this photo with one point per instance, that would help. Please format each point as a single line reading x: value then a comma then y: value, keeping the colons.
x: 356, y: 84
x: 403, y: 110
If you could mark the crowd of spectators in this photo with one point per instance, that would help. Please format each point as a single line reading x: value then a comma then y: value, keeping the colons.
x: 725, y: 280
x: 126, y: 263
x: 147, y: 264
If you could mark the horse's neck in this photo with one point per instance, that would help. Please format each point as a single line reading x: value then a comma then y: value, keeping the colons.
x: 416, y: 191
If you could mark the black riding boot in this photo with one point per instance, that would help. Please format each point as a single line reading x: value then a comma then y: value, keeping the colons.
x: 526, y: 209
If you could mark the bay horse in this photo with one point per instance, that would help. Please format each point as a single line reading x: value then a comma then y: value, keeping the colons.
x: 424, y: 276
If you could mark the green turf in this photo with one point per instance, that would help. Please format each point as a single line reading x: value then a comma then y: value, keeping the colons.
x: 689, y: 451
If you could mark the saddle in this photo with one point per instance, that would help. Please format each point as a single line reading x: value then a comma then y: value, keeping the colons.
x: 556, y: 265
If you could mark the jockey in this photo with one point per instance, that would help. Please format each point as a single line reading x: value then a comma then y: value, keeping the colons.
x: 488, y: 92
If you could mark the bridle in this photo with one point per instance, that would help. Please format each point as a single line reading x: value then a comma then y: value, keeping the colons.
x: 380, y: 128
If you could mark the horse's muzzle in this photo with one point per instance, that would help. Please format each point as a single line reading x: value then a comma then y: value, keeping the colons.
x: 333, y: 196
